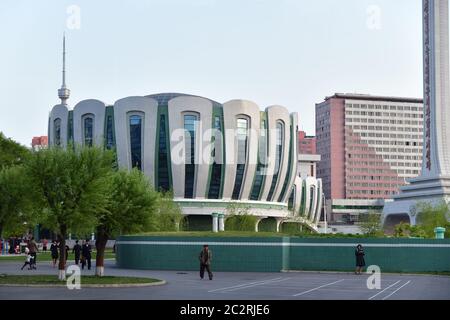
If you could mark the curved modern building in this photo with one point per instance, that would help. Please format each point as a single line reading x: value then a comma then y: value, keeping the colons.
x: 209, y: 154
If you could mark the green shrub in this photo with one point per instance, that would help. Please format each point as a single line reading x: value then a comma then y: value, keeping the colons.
x: 243, y: 222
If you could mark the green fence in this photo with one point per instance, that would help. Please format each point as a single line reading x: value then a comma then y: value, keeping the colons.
x: 284, y: 253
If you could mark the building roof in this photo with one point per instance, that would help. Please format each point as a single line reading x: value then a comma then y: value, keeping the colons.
x: 357, y: 96
x: 164, y: 98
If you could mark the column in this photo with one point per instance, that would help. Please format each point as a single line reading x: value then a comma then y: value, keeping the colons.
x: 279, y: 221
x: 221, y: 222
x: 215, y: 222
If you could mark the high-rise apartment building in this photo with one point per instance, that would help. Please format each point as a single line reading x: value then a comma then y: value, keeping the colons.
x: 370, y: 146
x: 306, y: 144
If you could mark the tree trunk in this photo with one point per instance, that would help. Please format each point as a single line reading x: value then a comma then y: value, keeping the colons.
x: 100, y: 245
x: 62, y: 253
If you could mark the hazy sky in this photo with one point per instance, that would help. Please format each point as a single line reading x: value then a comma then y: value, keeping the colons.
x: 287, y: 52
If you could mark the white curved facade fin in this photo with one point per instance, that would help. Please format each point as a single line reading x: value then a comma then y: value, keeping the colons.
x: 232, y: 110
x: 274, y: 115
x: 293, y: 164
x: 123, y: 108
x: 60, y: 111
x: 89, y: 108
x: 178, y: 107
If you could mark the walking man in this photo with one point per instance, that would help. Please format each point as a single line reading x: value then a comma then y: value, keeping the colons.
x: 33, y: 252
x: 86, y: 252
x: 205, y: 258
x: 77, y: 251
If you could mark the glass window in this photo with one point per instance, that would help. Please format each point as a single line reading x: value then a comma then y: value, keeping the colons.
x: 136, y: 141
x: 163, y: 156
x: 216, y: 172
x: 57, y: 131
x: 242, y: 139
x: 70, y: 129
x: 291, y: 200
x: 190, y: 126
x: 262, y: 163
x: 109, y: 133
x: 278, y: 157
x: 88, y: 129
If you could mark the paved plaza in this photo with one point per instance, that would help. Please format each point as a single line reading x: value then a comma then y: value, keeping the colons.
x: 239, y: 286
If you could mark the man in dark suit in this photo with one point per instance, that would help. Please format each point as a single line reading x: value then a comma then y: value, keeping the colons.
x: 77, y: 251
x: 86, y: 252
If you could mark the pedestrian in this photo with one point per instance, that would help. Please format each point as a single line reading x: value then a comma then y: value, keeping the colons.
x: 205, y: 258
x: 28, y: 259
x: 360, y: 263
x: 32, y: 245
x: 77, y: 251
x: 67, y: 254
x: 86, y: 252
x: 54, y: 252
x: 44, y: 244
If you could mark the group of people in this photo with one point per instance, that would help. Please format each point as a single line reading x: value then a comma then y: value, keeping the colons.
x: 83, y: 253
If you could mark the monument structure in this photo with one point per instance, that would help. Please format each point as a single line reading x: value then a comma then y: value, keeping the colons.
x: 433, y: 185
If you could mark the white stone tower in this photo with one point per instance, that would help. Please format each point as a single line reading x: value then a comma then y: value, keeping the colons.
x: 433, y: 185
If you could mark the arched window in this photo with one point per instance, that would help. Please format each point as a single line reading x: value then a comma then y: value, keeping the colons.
x: 242, y: 140
x: 88, y: 130
x: 57, y: 132
x: 136, y: 137
x: 278, y: 157
x: 190, y: 129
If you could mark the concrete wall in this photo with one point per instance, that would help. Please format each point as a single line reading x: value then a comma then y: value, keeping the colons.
x: 284, y: 253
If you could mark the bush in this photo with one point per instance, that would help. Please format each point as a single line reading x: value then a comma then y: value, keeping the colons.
x: 429, y: 217
x: 243, y: 222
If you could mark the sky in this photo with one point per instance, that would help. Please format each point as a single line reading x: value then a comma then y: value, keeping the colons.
x: 292, y: 53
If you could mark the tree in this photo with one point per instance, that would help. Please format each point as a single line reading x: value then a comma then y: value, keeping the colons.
x: 11, y: 152
x: 429, y: 217
x: 170, y: 215
x: 132, y: 207
x: 71, y: 188
x: 370, y: 224
x: 12, y: 186
x: 15, y: 208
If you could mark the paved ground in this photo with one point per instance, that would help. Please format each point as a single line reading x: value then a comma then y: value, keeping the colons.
x: 238, y: 286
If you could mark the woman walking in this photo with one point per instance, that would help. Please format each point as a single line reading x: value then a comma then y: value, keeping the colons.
x: 360, y: 263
